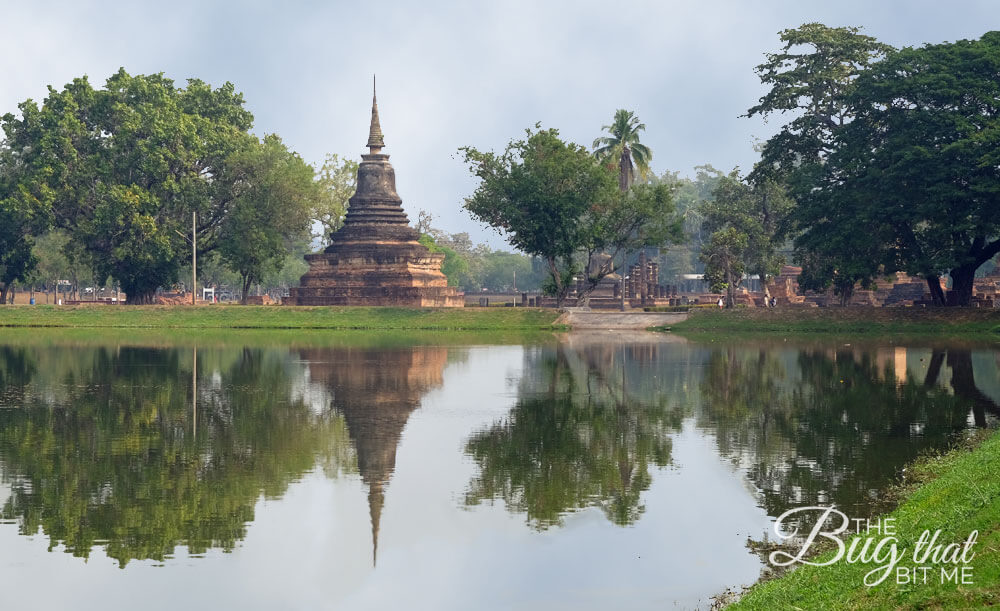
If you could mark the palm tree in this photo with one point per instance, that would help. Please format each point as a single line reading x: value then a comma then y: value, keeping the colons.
x: 623, y: 144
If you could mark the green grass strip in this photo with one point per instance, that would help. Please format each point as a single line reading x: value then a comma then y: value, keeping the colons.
x: 961, y: 494
x: 277, y: 317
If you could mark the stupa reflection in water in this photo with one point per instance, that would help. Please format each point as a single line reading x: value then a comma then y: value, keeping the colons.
x: 376, y: 390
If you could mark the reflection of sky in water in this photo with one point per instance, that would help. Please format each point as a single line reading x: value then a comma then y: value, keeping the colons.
x: 311, y: 548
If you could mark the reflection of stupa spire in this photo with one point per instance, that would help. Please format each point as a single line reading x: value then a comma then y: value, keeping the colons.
x: 376, y: 498
x: 376, y: 391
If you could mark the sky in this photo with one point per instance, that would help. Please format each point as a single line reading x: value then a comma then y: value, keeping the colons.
x: 453, y: 74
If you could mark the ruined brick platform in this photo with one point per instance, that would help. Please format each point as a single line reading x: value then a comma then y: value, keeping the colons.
x: 375, y: 258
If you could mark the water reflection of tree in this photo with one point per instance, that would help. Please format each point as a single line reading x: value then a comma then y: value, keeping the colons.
x: 839, y: 436
x: 114, y: 461
x: 575, y: 438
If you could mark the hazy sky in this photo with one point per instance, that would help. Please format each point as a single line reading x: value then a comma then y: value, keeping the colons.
x: 459, y: 73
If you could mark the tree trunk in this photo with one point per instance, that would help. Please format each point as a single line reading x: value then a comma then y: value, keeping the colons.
x: 934, y: 285
x: 961, y: 285
x: 3, y: 294
x: 730, y: 290
x: 140, y: 298
x: 557, y: 280
x: 846, y: 293
x: 247, y: 281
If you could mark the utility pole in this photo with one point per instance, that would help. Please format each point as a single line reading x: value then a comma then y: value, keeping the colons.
x: 194, y: 256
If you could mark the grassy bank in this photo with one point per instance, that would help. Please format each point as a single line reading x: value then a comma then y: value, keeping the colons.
x: 266, y: 338
x: 275, y: 317
x: 957, y: 493
x: 843, y: 321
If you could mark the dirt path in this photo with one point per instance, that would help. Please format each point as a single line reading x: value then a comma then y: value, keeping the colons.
x: 580, y: 319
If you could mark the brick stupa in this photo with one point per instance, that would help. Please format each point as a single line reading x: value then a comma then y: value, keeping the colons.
x: 375, y: 258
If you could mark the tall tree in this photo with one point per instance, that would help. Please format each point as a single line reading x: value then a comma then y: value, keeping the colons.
x: 553, y: 200
x: 338, y: 180
x: 124, y: 167
x: 21, y: 216
x: 725, y: 261
x: 920, y: 162
x: 917, y: 168
x: 623, y: 147
x: 811, y: 76
x: 758, y: 212
x: 274, y: 192
x: 537, y: 193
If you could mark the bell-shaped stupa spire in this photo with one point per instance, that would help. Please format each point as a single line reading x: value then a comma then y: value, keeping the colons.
x: 375, y: 141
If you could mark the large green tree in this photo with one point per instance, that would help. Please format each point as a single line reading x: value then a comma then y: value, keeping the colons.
x: 725, y: 261
x: 809, y: 78
x: 758, y: 212
x: 123, y: 168
x: 21, y: 216
x: 538, y: 194
x: 919, y: 166
x: 622, y: 147
x: 274, y: 193
x: 553, y: 200
x: 337, y: 179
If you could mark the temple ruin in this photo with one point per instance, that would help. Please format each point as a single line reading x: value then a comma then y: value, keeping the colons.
x: 375, y: 258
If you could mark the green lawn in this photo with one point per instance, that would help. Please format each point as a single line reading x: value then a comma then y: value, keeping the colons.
x: 277, y: 317
x: 984, y: 323
x: 959, y: 493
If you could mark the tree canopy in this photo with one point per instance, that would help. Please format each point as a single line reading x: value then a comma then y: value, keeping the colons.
x: 623, y: 148
x: 917, y: 168
x: 553, y: 200
x: 273, y: 197
x: 121, y: 170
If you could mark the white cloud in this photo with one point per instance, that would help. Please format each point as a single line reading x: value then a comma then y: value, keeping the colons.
x: 453, y: 74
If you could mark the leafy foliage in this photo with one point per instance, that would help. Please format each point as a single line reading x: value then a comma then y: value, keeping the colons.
x: 337, y: 181
x: 810, y: 77
x: 123, y: 168
x: 551, y: 199
x: 917, y: 168
x: 274, y: 193
x: 748, y: 220
x: 623, y: 148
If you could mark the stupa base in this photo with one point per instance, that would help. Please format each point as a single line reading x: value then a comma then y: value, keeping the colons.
x: 392, y: 279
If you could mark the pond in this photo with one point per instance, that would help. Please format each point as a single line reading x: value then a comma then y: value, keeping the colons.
x: 576, y: 471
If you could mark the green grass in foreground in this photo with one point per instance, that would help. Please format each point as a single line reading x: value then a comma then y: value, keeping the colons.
x: 264, y: 338
x: 843, y: 321
x: 277, y: 317
x: 960, y: 494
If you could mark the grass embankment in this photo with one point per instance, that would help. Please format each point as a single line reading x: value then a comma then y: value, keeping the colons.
x: 265, y: 338
x: 957, y: 493
x: 276, y: 317
x: 843, y: 321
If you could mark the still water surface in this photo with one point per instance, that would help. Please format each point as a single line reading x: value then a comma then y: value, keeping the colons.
x: 579, y: 472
